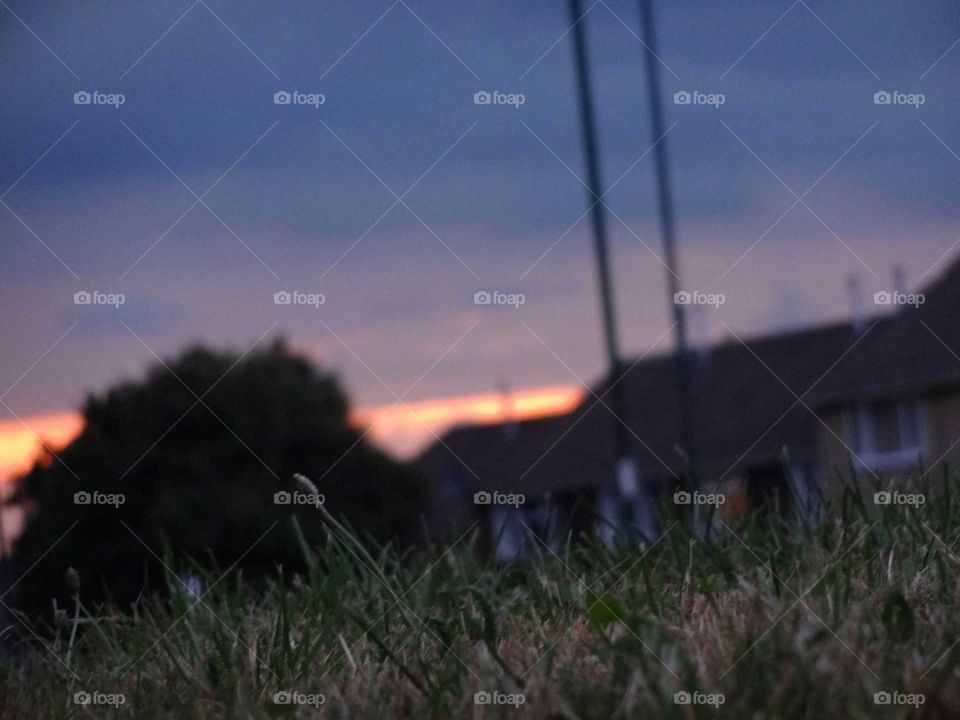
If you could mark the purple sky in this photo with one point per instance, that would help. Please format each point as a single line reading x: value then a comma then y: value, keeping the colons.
x: 92, y: 194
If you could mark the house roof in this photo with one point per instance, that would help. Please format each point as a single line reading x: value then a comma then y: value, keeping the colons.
x: 915, y: 350
x: 746, y: 408
x: 752, y: 397
x: 745, y: 403
x: 475, y: 456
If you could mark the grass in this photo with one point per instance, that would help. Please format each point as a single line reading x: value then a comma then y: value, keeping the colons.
x: 775, y: 619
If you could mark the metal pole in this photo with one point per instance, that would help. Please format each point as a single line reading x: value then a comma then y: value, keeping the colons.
x: 626, y: 476
x: 683, y: 360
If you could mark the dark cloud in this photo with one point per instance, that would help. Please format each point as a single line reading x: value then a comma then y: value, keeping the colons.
x: 304, y: 197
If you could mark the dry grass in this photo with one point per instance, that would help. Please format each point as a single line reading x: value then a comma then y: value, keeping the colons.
x: 780, y: 621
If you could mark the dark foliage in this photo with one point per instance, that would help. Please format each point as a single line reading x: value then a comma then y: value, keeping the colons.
x: 199, y: 478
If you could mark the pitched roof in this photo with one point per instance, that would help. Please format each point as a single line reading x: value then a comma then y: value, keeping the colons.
x: 745, y: 394
x: 914, y: 350
x: 477, y: 457
x: 745, y: 406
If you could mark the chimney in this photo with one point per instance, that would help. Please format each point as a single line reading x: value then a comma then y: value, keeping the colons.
x: 855, y: 297
x: 899, y: 279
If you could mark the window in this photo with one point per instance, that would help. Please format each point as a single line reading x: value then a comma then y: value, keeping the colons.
x: 887, y: 434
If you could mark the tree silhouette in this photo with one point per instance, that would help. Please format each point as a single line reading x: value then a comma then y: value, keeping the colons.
x: 198, y: 450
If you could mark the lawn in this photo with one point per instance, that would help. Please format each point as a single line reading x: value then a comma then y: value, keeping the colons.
x: 852, y: 618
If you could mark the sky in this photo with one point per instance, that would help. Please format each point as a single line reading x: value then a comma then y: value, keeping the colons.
x: 398, y: 198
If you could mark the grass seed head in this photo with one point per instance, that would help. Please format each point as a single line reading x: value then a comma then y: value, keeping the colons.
x: 73, y: 580
x: 306, y: 484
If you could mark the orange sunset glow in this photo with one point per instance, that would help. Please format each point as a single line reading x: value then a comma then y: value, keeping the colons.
x: 21, y: 440
x: 406, y: 428
x: 402, y: 429
x: 20, y: 443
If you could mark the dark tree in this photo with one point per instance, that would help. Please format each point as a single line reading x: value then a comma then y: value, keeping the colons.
x: 199, y: 479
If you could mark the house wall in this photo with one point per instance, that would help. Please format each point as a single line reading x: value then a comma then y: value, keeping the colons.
x: 833, y: 456
x: 835, y: 462
x: 943, y: 412
x: 939, y: 431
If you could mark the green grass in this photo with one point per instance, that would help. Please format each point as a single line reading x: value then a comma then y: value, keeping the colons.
x: 783, y: 621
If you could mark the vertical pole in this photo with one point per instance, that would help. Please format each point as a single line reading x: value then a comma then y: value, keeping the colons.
x: 626, y: 475
x: 683, y: 360
x: 3, y: 513
x: 5, y: 490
